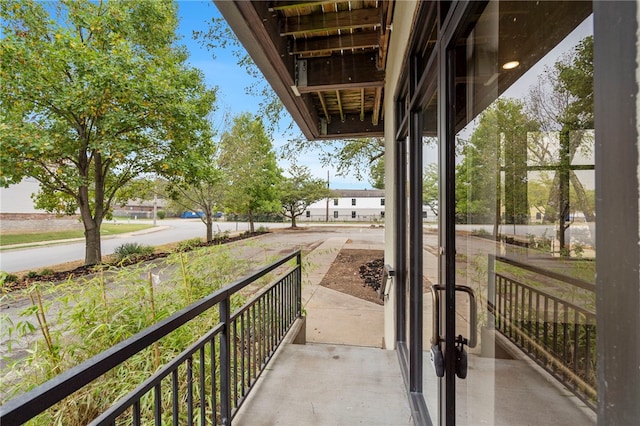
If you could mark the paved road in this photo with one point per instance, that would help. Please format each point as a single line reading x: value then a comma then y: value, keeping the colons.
x: 168, y: 231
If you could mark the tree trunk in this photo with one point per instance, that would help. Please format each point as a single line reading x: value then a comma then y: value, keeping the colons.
x: 251, y: 226
x: 293, y: 221
x: 563, y: 200
x: 496, y: 216
x: 93, y: 251
x: 209, y: 224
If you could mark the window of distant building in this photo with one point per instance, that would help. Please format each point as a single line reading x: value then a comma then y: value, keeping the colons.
x: 335, y: 214
x: 353, y: 201
x: 382, y: 201
x: 353, y: 215
x: 335, y: 201
x: 308, y: 213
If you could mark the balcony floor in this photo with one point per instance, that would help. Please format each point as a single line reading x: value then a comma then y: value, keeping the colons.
x: 325, y: 384
x: 343, y: 377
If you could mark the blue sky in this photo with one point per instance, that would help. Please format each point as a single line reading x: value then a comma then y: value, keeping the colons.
x: 232, y: 81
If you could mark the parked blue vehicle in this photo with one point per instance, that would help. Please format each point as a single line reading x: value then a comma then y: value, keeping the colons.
x: 191, y: 215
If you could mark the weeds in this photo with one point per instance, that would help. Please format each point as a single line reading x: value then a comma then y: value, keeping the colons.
x: 188, y: 245
x: 112, y: 306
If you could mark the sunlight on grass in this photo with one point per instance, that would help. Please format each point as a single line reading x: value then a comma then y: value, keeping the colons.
x: 106, y: 229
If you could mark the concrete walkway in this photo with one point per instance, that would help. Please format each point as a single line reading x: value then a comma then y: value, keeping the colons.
x: 334, y: 317
x: 341, y: 376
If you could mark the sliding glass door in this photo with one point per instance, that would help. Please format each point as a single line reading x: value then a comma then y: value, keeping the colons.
x: 518, y: 332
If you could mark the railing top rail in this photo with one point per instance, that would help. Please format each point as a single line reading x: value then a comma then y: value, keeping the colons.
x: 21, y: 408
x: 547, y: 273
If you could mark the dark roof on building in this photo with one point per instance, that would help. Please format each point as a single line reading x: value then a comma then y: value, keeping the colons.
x: 359, y: 193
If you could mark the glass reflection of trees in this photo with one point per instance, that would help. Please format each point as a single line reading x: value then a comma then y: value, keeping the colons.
x: 523, y: 155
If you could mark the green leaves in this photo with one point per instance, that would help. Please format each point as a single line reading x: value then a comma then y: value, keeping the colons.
x: 358, y: 156
x: 498, y: 142
x: 299, y: 191
x: 95, y: 94
x: 249, y: 168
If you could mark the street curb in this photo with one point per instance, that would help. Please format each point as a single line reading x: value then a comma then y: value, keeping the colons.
x: 74, y: 240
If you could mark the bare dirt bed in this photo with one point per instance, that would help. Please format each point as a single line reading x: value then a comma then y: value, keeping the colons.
x: 354, y: 272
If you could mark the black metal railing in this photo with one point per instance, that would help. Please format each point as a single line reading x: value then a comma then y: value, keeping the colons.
x: 208, y: 381
x: 558, y: 334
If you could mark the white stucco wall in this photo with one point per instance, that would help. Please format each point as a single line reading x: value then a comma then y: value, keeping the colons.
x: 368, y: 207
x: 403, y: 17
x: 17, y: 198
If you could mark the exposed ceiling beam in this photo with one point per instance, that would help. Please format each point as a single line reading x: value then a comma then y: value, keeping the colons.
x: 353, y: 127
x: 324, y: 107
x: 365, y: 40
x: 340, y: 86
x: 325, y: 22
x: 385, y: 33
x: 342, y: 72
x: 288, y: 5
x: 340, y: 105
x: 377, y: 106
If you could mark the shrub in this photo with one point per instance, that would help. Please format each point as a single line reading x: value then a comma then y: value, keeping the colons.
x: 8, y: 278
x: 161, y: 214
x: 220, y: 237
x: 46, y: 272
x: 132, y: 250
x: 188, y: 245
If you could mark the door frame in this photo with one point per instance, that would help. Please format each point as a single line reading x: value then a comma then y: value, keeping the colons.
x: 423, y: 76
x: 617, y: 159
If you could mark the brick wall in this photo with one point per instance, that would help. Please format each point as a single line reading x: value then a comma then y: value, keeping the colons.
x: 13, y: 223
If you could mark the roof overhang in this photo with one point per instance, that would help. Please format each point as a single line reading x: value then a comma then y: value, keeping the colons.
x: 324, y: 59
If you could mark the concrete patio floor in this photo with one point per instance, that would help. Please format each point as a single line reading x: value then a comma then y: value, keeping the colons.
x: 324, y: 384
x: 343, y: 377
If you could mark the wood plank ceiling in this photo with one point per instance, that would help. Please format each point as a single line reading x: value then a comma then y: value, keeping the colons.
x: 333, y: 58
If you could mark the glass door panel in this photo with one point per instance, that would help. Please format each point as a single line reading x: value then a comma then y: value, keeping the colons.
x: 430, y: 256
x: 525, y: 216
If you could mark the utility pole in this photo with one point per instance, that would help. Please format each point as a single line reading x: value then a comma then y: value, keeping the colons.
x: 155, y: 200
x: 327, y: 218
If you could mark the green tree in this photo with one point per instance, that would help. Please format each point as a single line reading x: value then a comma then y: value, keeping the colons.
x: 198, y: 187
x: 430, y: 190
x: 93, y: 95
x: 497, y: 148
x: 300, y: 191
x: 562, y: 102
x: 376, y: 173
x: 249, y: 169
x: 538, y: 194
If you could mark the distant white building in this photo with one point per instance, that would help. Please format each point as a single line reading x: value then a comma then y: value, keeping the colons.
x: 347, y: 205
x: 19, y: 214
x: 17, y: 198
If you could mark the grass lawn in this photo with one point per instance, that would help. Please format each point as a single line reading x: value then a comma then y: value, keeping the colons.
x: 106, y: 229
